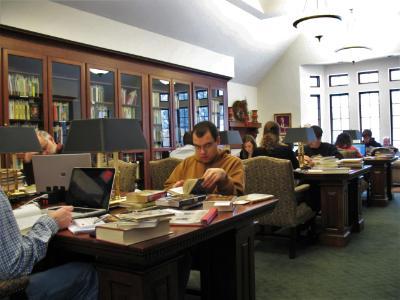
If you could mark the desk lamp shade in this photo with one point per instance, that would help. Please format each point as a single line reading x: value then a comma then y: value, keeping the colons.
x: 354, y: 134
x: 18, y: 139
x: 301, y: 136
x: 104, y: 135
x: 231, y: 137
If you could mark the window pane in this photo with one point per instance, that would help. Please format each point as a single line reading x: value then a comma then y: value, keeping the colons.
x: 368, y: 77
x: 395, y: 109
x: 337, y: 80
x: 340, y: 114
x: 369, y: 112
x: 313, y: 114
x: 314, y: 81
x: 394, y: 74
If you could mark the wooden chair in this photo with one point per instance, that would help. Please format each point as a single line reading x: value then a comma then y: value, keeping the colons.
x: 13, y: 288
x: 160, y: 171
x: 127, y: 175
x: 274, y: 176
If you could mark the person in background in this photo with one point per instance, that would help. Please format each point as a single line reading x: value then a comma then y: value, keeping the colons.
x: 49, y: 146
x: 186, y: 150
x: 320, y: 148
x: 271, y: 146
x: 368, y: 140
x: 222, y: 173
x: 248, y: 147
x: 344, y: 143
x: 19, y: 254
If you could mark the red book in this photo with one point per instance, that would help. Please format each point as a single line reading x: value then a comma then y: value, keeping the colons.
x: 210, y: 216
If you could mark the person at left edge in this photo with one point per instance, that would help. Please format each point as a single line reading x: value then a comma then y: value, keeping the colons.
x: 20, y: 253
x: 49, y: 146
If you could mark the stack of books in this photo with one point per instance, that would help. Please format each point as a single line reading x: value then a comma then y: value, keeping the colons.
x: 352, y: 163
x: 220, y: 202
x: 8, y: 179
x: 181, y: 201
x: 142, y: 200
x: 326, y: 162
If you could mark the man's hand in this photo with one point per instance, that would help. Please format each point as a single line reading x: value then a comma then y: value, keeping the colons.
x: 178, y: 183
x: 212, y: 176
x: 63, y: 216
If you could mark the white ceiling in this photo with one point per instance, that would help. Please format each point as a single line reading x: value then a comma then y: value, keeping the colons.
x: 256, y: 38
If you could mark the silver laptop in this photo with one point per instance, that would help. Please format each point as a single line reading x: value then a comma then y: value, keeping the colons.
x: 55, y: 170
x: 89, y: 191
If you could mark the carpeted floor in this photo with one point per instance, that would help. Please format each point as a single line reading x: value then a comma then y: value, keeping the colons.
x: 367, y: 268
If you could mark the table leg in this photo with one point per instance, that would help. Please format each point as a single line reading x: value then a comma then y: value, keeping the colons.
x: 356, y: 220
x: 379, y: 185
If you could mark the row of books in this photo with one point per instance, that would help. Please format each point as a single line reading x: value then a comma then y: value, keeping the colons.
x: 23, y: 110
x: 60, y: 132
x: 23, y: 85
x: 61, y: 111
x: 100, y: 112
x: 129, y: 112
x: 97, y: 93
x: 128, y: 98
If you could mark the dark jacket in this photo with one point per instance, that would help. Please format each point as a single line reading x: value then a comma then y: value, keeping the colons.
x: 372, y: 143
x: 280, y: 151
x: 325, y: 149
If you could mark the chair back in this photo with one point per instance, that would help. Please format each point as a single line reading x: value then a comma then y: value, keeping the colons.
x: 160, y: 171
x: 268, y: 175
x: 127, y: 175
x: 10, y: 287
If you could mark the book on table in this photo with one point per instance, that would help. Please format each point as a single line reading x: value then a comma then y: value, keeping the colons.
x: 127, y: 234
x: 26, y: 216
x: 144, y: 215
x: 191, y: 186
x: 85, y: 225
x: 193, y: 217
x: 252, y: 198
x: 180, y: 201
x: 220, y: 202
x: 144, y: 196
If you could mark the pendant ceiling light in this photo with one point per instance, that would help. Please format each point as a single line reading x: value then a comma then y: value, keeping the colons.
x: 353, y: 49
x: 316, y: 20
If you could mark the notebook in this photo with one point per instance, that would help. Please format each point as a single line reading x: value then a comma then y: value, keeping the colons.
x: 55, y: 170
x: 89, y: 191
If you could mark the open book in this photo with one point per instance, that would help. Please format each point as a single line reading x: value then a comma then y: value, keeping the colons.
x: 191, y: 186
x: 26, y: 216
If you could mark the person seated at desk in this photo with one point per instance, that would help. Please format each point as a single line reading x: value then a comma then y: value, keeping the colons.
x: 368, y: 140
x: 186, y: 150
x: 19, y: 254
x: 344, y: 145
x: 222, y: 172
x: 320, y: 148
x: 271, y: 146
x: 49, y: 146
x: 248, y: 147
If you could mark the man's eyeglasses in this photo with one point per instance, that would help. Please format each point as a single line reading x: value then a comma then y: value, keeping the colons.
x: 205, y: 147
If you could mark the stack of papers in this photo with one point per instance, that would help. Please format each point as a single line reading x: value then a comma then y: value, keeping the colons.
x: 85, y: 225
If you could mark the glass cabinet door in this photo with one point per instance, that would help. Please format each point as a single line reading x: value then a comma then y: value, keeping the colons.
x: 102, y: 94
x: 182, y: 111
x: 66, y: 98
x: 25, y: 91
x: 131, y: 97
x: 201, y: 104
x: 217, y: 108
x: 161, y: 116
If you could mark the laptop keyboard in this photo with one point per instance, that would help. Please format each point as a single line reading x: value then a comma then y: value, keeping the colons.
x: 83, y: 209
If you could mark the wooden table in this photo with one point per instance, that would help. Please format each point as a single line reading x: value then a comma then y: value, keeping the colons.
x: 381, y: 180
x: 340, y: 196
x: 150, y: 269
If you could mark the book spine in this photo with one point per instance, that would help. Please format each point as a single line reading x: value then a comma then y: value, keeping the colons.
x: 210, y: 216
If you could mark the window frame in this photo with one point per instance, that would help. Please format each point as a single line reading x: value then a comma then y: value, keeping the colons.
x: 359, y: 74
x: 359, y: 106
x: 330, y: 110
x: 318, y: 81
x: 390, y: 74
x: 391, y: 113
x: 337, y: 75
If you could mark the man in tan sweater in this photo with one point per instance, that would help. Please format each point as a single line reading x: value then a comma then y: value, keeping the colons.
x: 222, y: 172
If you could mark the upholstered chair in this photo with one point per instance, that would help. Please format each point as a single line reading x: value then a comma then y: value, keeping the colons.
x: 127, y: 175
x: 160, y: 171
x: 14, y: 288
x: 274, y: 176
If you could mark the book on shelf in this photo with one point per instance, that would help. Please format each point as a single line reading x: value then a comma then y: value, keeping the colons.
x: 26, y: 216
x: 34, y: 110
x: 124, y: 234
x: 145, y: 196
x: 23, y: 85
x: 132, y: 98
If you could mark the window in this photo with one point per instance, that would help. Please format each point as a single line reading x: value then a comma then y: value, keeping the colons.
x: 313, y: 115
x: 368, y: 77
x: 369, y: 112
x: 339, y: 114
x: 338, y: 80
x: 395, y: 113
x: 164, y: 97
x: 314, y: 81
x: 165, y: 127
x: 203, y: 113
x: 394, y: 74
x: 183, y: 119
x: 201, y: 94
x: 183, y: 96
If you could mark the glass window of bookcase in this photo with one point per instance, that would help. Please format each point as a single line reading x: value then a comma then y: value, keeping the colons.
x: 182, y: 111
x: 66, y: 95
x: 25, y: 88
x: 102, y: 94
x: 131, y: 97
x: 201, y: 104
x: 217, y: 108
x: 161, y: 113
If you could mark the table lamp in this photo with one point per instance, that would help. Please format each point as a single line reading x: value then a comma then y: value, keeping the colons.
x: 230, y: 137
x: 354, y: 134
x: 16, y: 140
x: 300, y: 135
x: 105, y: 136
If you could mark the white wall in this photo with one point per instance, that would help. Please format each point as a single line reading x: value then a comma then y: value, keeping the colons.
x: 237, y: 91
x: 64, y: 22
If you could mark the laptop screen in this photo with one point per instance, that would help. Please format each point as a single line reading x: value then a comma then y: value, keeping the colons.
x: 90, y: 187
x: 361, y: 148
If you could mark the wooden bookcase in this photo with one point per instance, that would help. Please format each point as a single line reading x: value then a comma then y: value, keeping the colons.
x: 69, y: 89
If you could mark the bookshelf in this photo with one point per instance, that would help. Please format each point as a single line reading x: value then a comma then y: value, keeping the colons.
x: 182, y: 108
x: 102, y: 93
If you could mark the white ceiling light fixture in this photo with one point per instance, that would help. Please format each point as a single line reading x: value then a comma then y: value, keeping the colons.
x: 316, y: 20
x: 98, y: 71
x: 353, y: 50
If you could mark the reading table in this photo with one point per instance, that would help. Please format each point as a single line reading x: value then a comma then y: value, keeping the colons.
x: 151, y: 269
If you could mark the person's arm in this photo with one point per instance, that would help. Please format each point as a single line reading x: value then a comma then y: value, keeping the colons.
x: 333, y: 151
x: 233, y: 183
